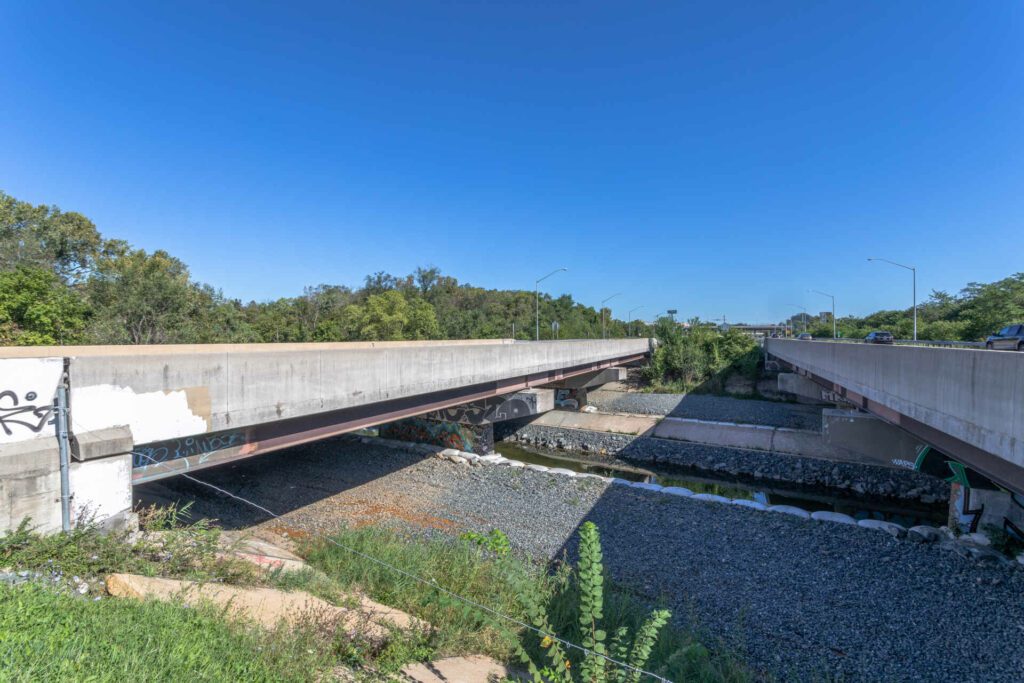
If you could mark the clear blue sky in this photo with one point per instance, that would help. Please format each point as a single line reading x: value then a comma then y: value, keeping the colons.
x: 719, y: 158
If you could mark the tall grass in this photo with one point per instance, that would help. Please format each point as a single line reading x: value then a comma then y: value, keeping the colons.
x: 497, y: 582
x: 51, y: 636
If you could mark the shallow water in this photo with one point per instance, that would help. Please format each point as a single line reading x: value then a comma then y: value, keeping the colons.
x: 811, y: 499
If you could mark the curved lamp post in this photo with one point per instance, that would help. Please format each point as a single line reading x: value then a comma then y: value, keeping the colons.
x: 816, y: 291
x: 629, y: 320
x: 603, y: 335
x: 536, y: 292
x: 913, y: 270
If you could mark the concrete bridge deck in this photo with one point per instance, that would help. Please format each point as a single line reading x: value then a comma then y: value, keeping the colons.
x: 192, y: 406
x: 967, y: 403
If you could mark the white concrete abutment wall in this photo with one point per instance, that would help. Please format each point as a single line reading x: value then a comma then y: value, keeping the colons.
x: 99, y: 462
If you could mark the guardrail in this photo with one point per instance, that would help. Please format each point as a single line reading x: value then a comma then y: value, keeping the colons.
x: 930, y: 342
x: 906, y: 342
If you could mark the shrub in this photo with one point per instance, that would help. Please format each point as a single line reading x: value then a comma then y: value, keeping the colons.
x: 597, y: 665
x: 700, y: 355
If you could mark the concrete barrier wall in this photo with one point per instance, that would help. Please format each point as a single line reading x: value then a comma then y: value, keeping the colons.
x: 170, y: 392
x: 975, y: 396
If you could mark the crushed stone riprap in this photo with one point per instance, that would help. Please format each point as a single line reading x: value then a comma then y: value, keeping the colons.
x: 801, y: 599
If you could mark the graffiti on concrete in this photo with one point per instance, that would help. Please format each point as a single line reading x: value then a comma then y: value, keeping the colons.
x: 25, y: 413
x: 477, y: 439
x: 937, y: 464
x: 978, y: 509
x: 976, y: 501
x: 496, y: 409
x: 27, y: 388
x: 185, y: 447
x: 570, y: 398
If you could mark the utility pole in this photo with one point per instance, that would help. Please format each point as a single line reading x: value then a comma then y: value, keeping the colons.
x: 536, y: 292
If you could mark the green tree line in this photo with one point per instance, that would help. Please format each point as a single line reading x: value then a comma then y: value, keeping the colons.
x: 978, y: 310
x: 63, y: 282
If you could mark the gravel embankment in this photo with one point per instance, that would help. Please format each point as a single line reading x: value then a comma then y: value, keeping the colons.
x: 751, y: 466
x: 803, y: 600
x: 708, y: 407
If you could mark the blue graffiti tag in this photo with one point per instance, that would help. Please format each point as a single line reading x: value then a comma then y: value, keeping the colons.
x: 185, y: 447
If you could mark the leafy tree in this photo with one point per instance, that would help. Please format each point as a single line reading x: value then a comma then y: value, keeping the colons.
x: 144, y: 298
x: 37, y: 308
x: 993, y: 305
x: 392, y: 316
x: 688, y: 358
x: 44, y: 236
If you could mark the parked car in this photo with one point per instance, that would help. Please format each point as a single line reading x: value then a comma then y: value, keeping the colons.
x: 806, y: 336
x: 879, y: 337
x: 1010, y: 338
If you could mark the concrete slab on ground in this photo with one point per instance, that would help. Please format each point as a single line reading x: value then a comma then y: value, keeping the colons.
x: 269, y: 606
x: 471, y: 669
x: 636, y: 425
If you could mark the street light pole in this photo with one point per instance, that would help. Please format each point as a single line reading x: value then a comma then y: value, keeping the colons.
x: 833, y: 309
x: 536, y: 293
x: 913, y: 271
x: 603, y: 335
x: 629, y: 320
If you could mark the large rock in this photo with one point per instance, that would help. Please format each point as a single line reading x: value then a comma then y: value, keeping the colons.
x: 829, y: 516
x: 714, y: 498
x: 261, y: 553
x: 925, y: 534
x: 790, y: 510
x: 269, y: 606
x: 894, y: 530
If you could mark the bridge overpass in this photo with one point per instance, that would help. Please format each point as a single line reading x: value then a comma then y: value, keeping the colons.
x: 193, y: 406
x: 966, y: 403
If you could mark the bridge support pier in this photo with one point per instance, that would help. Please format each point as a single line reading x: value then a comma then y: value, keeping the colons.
x: 803, y: 389
x: 868, y: 438
x: 975, y: 509
x: 471, y: 438
x: 470, y: 427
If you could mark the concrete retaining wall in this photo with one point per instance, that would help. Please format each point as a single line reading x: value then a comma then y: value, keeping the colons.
x: 728, y: 434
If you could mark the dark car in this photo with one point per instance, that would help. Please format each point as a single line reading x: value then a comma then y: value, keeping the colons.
x: 805, y: 336
x: 879, y: 337
x: 1010, y: 338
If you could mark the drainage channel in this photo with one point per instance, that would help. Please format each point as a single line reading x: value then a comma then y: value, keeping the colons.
x: 907, y: 513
